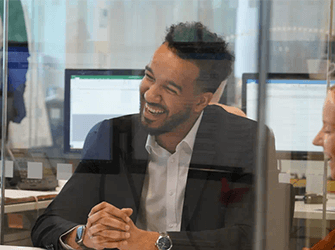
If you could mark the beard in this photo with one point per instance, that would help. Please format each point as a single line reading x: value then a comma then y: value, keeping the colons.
x: 169, y: 125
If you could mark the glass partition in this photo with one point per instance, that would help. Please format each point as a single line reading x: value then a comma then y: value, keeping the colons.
x: 75, y: 67
x: 296, y: 92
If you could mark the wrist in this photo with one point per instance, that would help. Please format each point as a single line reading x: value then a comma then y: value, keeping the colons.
x: 69, y: 238
x: 148, y: 240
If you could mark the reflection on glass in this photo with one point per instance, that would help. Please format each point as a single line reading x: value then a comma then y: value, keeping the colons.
x: 103, y: 35
x: 180, y: 166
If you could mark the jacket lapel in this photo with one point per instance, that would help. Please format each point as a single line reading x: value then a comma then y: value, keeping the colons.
x: 128, y: 151
x: 136, y: 166
x: 203, y: 156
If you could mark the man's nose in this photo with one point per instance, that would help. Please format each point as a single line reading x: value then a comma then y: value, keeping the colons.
x: 319, y: 138
x: 152, y: 94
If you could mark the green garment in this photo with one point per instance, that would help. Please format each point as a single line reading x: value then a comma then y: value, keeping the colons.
x: 16, y: 25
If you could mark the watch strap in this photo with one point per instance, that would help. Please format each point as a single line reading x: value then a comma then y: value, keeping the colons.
x: 79, y: 238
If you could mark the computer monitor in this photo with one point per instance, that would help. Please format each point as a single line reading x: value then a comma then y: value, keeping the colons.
x: 94, y: 95
x: 294, y: 110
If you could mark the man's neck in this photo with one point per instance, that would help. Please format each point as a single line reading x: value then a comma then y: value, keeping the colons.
x: 170, y: 140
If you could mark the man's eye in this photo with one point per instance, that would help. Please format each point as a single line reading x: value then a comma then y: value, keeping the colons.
x: 149, y: 76
x: 171, y: 90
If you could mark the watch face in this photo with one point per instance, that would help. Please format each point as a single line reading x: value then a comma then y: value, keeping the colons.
x: 164, y: 243
x: 79, y: 234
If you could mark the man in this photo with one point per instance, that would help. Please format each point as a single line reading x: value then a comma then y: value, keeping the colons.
x: 180, y: 166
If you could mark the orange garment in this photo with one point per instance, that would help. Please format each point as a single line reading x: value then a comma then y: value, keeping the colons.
x: 327, y: 243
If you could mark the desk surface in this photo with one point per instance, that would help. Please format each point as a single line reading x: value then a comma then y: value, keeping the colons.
x: 24, y: 200
x: 21, y: 196
x: 314, y: 211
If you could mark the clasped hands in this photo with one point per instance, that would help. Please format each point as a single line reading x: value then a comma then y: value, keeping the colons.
x: 110, y: 227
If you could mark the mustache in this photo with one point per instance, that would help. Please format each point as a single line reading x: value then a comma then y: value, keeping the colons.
x: 154, y: 104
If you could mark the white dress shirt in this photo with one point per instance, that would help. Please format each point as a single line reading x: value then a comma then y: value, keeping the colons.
x: 164, y: 186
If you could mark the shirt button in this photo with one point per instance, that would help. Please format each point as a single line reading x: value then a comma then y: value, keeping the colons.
x: 171, y: 192
x: 173, y: 160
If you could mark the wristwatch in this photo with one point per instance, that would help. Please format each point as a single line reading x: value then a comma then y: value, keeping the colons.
x: 80, y: 237
x: 164, y: 242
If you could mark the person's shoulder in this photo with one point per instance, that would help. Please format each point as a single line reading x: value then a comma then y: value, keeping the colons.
x: 221, y: 114
x: 97, y: 142
x: 230, y: 137
x: 231, y: 109
x: 121, y: 122
x: 125, y: 123
x: 225, y: 123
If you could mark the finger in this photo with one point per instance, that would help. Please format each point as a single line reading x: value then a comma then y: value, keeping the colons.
x: 128, y: 211
x: 110, y: 209
x: 118, y: 213
x: 88, y: 223
x: 99, y: 207
x: 102, y: 217
x: 112, y: 235
x: 100, y: 242
x: 106, y: 225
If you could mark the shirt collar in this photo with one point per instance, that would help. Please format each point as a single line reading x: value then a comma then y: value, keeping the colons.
x: 187, y: 142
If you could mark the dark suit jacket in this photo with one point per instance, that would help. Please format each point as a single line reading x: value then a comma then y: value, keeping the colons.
x: 215, y: 216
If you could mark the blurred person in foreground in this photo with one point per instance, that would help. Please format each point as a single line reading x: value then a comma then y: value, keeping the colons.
x: 326, y: 139
x: 179, y: 173
x: 18, y: 54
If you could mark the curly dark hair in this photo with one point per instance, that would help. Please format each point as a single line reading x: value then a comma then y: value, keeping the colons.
x: 193, y: 41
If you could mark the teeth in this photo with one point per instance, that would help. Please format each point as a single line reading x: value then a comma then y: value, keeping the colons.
x: 153, y: 111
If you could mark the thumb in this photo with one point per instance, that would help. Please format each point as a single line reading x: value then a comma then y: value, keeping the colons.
x: 128, y: 211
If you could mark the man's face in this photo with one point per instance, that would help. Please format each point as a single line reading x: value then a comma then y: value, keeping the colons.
x: 326, y: 136
x: 167, y: 92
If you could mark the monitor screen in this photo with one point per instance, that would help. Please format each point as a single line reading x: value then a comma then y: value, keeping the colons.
x: 94, y: 95
x: 293, y: 108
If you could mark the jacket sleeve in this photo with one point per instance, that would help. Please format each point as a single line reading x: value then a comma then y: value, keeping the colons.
x: 72, y: 205
x: 69, y: 208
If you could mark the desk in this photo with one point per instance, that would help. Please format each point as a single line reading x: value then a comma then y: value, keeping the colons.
x: 23, y: 200
x: 313, y: 211
x: 308, y: 221
x: 19, y: 208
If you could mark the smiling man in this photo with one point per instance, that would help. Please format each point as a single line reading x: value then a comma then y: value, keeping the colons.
x: 170, y: 99
x: 177, y: 174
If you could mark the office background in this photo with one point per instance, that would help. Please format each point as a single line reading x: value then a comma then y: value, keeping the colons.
x: 123, y: 34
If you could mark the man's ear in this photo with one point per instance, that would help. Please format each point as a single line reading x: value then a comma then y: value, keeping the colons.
x: 203, y: 100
